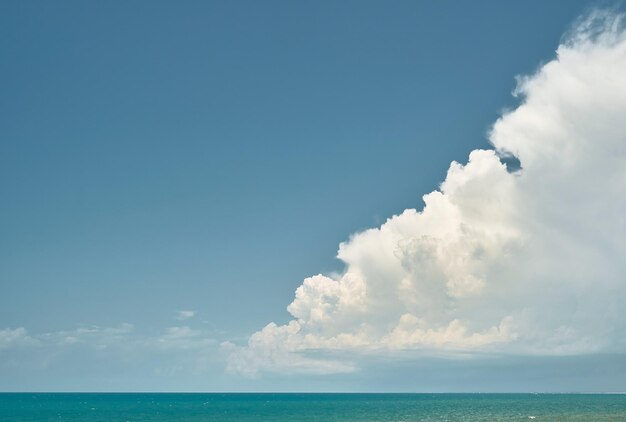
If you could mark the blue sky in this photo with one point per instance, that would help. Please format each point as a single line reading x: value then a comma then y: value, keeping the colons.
x: 208, y: 156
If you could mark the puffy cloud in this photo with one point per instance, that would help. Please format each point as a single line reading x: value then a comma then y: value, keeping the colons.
x: 520, y: 262
x: 274, y: 348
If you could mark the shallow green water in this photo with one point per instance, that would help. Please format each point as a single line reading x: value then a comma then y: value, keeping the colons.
x: 311, y: 407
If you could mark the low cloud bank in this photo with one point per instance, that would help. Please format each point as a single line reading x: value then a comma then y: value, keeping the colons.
x: 505, y: 262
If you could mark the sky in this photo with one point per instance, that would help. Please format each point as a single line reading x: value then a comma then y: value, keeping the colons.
x: 200, y: 196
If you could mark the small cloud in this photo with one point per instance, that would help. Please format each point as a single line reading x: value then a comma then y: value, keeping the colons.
x: 179, y: 332
x: 16, y: 338
x: 99, y: 337
x: 183, y: 315
x: 175, y: 349
x: 184, y: 337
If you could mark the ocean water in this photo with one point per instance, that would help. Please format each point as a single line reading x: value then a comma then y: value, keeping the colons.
x: 25, y: 407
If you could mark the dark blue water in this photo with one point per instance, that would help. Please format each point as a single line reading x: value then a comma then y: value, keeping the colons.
x: 311, y: 407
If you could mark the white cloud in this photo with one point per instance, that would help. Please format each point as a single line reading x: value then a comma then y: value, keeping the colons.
x: 16, y: 338
x: 276, y: 347
x: 183, y: 315
x: 98, y: 337
x: 184, y: 338
x: 527, y: 262
x: 124, y: 338
x: 173, y: 350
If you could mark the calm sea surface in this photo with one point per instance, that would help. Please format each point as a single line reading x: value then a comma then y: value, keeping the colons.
x: 312, y: 407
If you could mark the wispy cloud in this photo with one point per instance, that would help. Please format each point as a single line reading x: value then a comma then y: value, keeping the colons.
x: 183, y: 315
x: 16, y: 338
x: 99, y: 337
x: 179, y: 348
x: 184, y: 337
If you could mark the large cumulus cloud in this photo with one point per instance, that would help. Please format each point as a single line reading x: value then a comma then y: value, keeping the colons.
x: 509, y: 262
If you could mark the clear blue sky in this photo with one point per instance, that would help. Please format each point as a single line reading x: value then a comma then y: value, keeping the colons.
x: 208, y: 156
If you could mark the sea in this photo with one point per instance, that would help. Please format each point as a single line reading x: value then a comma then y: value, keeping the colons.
x: 289, y: 407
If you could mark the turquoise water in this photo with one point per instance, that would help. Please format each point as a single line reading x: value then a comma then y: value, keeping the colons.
x: 311, y: 407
